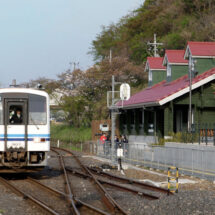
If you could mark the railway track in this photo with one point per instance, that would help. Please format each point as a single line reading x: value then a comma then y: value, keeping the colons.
x: 116, y: 182
x: 47, y: 207
x: 110, y: 206
x: 24, y: 188
x: 129, y: 181
x: 101, y: 186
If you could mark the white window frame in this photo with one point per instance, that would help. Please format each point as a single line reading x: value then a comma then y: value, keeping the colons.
x: 169, y: 70
x: 150, y: 75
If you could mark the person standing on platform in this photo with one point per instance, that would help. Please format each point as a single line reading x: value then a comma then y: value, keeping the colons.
x: 125, y: 146
x: 102, y: 141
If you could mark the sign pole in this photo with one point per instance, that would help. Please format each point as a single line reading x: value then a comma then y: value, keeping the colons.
x: 125, y: 95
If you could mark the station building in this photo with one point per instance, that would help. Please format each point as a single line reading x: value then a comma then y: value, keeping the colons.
x: 162, y: 108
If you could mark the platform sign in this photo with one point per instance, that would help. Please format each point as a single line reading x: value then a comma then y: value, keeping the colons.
x: 119, y: 152
x: 125, y: 92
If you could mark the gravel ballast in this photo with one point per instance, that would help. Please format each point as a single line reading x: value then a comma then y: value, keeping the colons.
x: 195, y: 198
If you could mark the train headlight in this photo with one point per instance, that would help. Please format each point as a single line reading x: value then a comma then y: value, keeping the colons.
x: 37, y: 140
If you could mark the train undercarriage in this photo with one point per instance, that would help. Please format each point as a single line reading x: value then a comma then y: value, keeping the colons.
x: 15, y: 159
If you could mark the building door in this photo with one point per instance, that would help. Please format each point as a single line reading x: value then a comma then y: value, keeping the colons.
x: 179, y: 120
x: 15, y: 118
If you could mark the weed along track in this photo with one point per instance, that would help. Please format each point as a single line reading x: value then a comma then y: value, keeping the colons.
x: 105, y: 192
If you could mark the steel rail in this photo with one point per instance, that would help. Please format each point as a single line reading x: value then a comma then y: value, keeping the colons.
x: 137, y: 192
x: 64, y: 195
x: 68, y: 187
x: 28, y: 197
x: 108, y: 200
x: 128, y: 181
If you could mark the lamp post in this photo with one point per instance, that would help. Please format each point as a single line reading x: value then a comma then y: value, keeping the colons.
x: 190, y: 95
x: 191, y: 73
x: 113, y: 119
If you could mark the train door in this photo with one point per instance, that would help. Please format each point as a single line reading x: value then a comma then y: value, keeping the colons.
x: 15, y: 115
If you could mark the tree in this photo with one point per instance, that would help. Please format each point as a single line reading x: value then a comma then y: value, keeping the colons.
x: 49, y: 85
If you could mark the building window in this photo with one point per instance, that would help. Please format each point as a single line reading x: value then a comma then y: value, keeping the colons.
x: 168, y: 70
x: 150, y: 75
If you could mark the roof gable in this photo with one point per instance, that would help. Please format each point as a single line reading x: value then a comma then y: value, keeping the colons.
x: 155, y: 63
x: 200, y: 49
x: 175, y: 57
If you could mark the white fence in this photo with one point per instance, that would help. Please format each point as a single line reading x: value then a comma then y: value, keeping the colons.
x: 196, y: 161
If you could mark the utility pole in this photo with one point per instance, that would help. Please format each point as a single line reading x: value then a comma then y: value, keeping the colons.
x: 110, y: 57
x: 113, y: 120
x: 113, y: 115
x: 155, y: 44
x: 74, y: 65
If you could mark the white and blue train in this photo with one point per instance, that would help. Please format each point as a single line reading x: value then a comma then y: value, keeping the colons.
x: 24, y: 128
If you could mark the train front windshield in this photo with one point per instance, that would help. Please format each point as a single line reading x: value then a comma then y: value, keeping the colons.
x: 37, y: 110
x: 33, y: 113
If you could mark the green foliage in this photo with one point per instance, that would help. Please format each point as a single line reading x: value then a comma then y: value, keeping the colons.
x: 175, y: 41
x: 75, y: 107
x: 174, y: 21
x: 161, y: 141
x: 183, y: 137
x: 67, y: 134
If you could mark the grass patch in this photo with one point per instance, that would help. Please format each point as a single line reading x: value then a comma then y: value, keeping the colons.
x: 69, y: 134
x: 71, y: 146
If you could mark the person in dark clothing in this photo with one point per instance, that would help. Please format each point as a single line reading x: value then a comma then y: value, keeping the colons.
x: 116, y: 142
x: 125, y: 146
x: 16, y: 118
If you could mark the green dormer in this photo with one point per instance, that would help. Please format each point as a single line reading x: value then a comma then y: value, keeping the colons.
x: 201, y: 56
x: 156, y: 71
x: 175, y: 63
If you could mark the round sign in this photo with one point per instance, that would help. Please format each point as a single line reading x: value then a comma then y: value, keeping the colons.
x: 125, y: 91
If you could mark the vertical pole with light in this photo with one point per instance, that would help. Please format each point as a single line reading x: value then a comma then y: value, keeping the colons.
x: 113, y: 115
x: 190, y: 95
x: 192, y: 73
x: 113, y: 120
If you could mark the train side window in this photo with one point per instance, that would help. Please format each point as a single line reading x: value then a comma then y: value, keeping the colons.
x: 15, y: 114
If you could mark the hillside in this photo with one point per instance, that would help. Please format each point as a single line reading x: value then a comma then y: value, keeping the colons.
x: 174, y: 21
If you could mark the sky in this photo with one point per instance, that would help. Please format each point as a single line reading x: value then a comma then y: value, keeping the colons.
x: 41, y: 38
